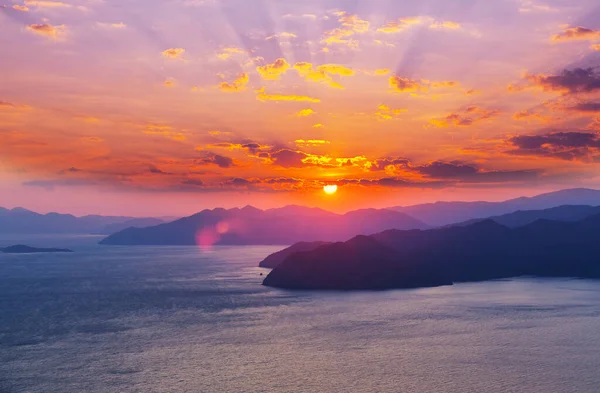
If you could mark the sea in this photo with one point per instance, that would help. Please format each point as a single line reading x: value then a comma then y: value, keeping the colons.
x: 193, y: 319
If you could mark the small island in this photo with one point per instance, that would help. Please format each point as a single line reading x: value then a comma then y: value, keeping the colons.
x: 22, y: 249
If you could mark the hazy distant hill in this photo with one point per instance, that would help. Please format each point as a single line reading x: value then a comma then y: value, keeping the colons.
x: 19, y: 220
x: 249, y: 225
x: 524, y: 217
x: 444, y: 213
x: 480, y: 251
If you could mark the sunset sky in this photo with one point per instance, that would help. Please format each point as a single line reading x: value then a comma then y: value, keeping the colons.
x: 167, y: 107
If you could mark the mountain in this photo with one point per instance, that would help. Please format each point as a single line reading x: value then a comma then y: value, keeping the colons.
x: 445, y: 213
x: 524, y: 217
x: 21, y: 249
x: 276, y: 258
x: 20, y: 220
x: 249, y: 225
x: 481, y: 251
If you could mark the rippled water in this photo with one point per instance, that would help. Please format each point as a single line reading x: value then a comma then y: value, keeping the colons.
x: 180, y: 319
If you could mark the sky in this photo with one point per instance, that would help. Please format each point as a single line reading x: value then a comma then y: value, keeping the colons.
x: 167, y: 107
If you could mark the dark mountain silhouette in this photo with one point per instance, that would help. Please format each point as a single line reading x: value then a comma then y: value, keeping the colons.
x: 524, y: 217
x: 19, y: 220
x: 481, y: 251
x: 21, y: 249
x: 249, y: 225
x: 445, y: 213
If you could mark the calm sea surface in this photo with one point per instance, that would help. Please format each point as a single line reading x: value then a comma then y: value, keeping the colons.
x: 182, y: 319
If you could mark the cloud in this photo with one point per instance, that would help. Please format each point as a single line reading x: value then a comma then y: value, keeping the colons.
x: 529, y: 115
x: 47, y: 30
x: 274, y: 70
x: 312, y: 142
x: 576, y: 33
x: 261, y: 95
x: 5, y: 105
x: 401, y: 24
x: 384, y: 112
x: 47, y: 4
x: 173, y: 53
x: 572, y: 146
x: 318, y: 125
x: 379, y: 72
x: 440, y: 169
x: 446, y: 25
x: 216, y: 159
x: 305, y: 112
x: 19, y: 7
x: 288, y: 158
x: 586, y: 107
x: 226, y: 53
x: 467, y: 117
x: 596, y: 47
x: 281, y: 35
x: 323, y: 73
x: 406, y: 85
x: 169, y: 82
x: 382, y: 164
x: 577, y: 80
x: 350, y: 25
x: 237, y: 85
x: 165, y: 131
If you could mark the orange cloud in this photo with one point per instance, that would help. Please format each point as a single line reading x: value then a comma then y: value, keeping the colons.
x: 596, y: 47
x: 528, y: 115
x: 401, y: 24
x: 384, y: 112
x: 173, y: 53
x: 237, y: 85
x: 467, y: 117
x: 261, y: 95
x: 405, y: 85
x: 305, y: 112
x: 318, y: 125
x: 312, y: 142
x: 20, y: 8
x: 576, y: 33
x: 226, y: 53
x: 166, y: 131
x: 169, y: 82
x: 273, y: 71
x: 47, y: 30
x: 350, y: 25
x: 323, y: 73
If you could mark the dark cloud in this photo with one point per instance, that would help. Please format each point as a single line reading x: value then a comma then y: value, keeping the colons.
x: 193, y: 182
x: 439, y: 169
x: 381, y: 163
x: 570, y: 146
x: 218, y: 160
x: 288, y: 158
x: 577, y: 80
x: 586, y: 107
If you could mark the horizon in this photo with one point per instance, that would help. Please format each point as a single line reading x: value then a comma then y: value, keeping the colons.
x: 115, y: 109
x: 290, y: 205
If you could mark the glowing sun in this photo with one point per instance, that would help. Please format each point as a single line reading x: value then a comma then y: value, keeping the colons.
x: 330, y: 189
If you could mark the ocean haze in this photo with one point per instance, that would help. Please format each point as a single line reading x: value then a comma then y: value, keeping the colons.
x: 157, y: 319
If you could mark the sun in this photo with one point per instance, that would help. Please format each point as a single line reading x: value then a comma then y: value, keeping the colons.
x: 330, y: 189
